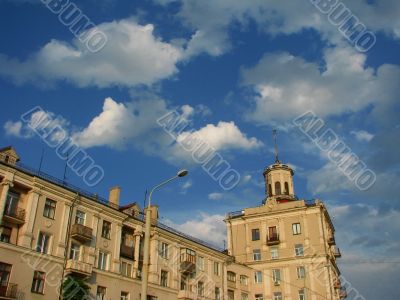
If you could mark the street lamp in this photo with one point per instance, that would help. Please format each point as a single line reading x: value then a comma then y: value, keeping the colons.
x: 146, y: 254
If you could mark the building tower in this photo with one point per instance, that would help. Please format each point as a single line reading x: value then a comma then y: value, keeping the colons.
x: 289, y: 242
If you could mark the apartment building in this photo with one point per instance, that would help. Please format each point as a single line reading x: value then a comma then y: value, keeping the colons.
x: 289, y: 242
x: 50, y: 230
x: 283, y: 249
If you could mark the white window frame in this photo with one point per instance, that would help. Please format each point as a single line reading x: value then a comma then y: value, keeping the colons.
x: 244, y: 280
x: 80, y: 217
x: 302, y: 294
x: 102, y: 262
x: 276, y: 276
x: 126, y: 271
x: 125, y: 295
x: 256, y: 254
x: 274, y: 251
x: 244, y: 296
x: 43, y: 242
x: 49, y: 210
x: 259, y: 297
x: 301, y: 272
x: 163, y: 249
x: 200, y: 288
x: 164, y: 280
x: 200, y: 263
x: 296, y: 228
x: 74, y: 252
x: 217, y: 268
x: 258, y: 277
x: 277, y: 296
x: 101, y: 296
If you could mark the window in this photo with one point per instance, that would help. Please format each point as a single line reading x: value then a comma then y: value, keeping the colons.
x: 43, y: 242
x: 49, y: 209
x: 298, y: 250
x: 255, y: 234
x: 276, y: 276
x: 164, y: 278
x: 200, y: 263
x: 102, y: 263
x: 302, y: 294
x: 38, y: 282
x: 274, y: 252
x: 217, y: 293
x: 5, y: 234
x: 163, y: 249
x: 11, y: 207
x: 278, y: 296
x: 101, y: 293
x: 124, y: 296
x: 244, y: 296
x: 259, y: 297
x: 258, y: 277
x: 5, y: 270
x: 286, y: 188
x: 231, y: 276
x: 80, y: 217
x: 296, y: 228
x: 231, y: 295
x: 278, y: 188
x: 273, y: 233
x: 244, y: 280
x: 200, y: 288
x: 75, y: 251
x: 106, y: 230
x: 126, y: 269
x: 257, y: 254
x: 216, y: 268
x: 301, y: 272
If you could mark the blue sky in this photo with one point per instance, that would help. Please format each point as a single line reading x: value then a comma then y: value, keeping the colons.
x: 234, y: 70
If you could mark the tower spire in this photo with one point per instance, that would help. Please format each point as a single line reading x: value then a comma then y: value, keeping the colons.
x: 275, y: 135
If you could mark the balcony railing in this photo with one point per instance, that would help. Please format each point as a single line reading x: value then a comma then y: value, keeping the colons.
x: 81, y: 232
x: 343, y: 293
x: 273, y: 239
x: 79, y: 268
x: 9, y: 291
x: 127, y: 251
x: 337, y: 284
x: 185, y: 294
x: 331, y: 241
x: 336, y: 252
x: 15, y: 215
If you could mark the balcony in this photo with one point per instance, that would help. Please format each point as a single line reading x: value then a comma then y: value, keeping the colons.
x: 188, y: 267
x: 79, y: 268
x: 336, y: 252
x: 337, y: 284
x: 81, y: 232
x: 331, y: 241
x: 14, y: 215
x: 273, y: 239
x: 187, y: 295
x: 9, y: 291
x: 342, y: 293
x: 127, y: 252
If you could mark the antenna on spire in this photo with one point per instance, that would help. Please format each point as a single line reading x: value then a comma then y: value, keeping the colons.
x: 275, y: 135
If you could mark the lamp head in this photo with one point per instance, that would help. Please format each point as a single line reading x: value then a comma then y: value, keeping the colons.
x: 182, y: 173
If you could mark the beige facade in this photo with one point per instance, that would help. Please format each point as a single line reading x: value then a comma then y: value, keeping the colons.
x: 50, y: 230
x: 289, y: 241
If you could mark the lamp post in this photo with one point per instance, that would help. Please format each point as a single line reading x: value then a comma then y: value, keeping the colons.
x: 146, y: 254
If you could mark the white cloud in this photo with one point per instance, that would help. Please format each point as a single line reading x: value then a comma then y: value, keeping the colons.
x: 13, y: 128
x: 286, y: 86
x: 224, y: 135
x: 362, y: 135
x: 215, y: 196
x: 209, y: 228
x: 132, y: 56
x: 186, y: 186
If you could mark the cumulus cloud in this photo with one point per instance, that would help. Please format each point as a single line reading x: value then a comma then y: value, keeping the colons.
x: 224, y: 135
x: 215, y: 196
x: 132, y: 56
x: 286, y: 86
x: 362, y: 135
x: 209, y: 228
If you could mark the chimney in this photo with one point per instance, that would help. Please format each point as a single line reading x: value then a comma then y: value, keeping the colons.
x: 153, y: 212
x: 113, y: 197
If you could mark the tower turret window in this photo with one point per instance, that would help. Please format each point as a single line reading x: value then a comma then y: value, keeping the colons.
x: 286, y: 188
x: 278, y: 188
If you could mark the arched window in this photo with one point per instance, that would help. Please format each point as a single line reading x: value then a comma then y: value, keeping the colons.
x: 286, y: 188
x: 269, y: 190
x: 278, y: 188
